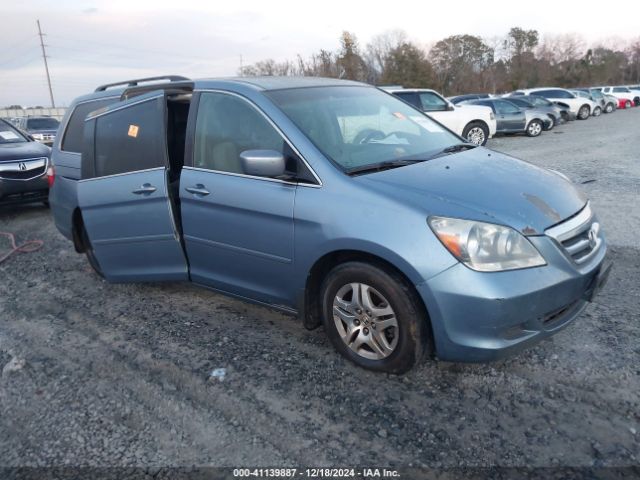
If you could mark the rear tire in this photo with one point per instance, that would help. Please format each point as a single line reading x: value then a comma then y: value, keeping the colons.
x: 476, y: 133
x: 608, y: 108
x: 534, y: 128
x: 627, y: 104
x: 91, y: 257
x: 584, y: 112
x: 597, y: 112
x: 374, y: 318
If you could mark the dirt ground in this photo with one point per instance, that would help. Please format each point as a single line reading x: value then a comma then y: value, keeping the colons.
x: 118, y: 375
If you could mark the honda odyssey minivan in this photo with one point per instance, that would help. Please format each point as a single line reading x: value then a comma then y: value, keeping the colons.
x: 332, y: 200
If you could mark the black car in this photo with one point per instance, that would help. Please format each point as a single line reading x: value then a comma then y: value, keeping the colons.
x: 23, y: 167
x: 470, y: 96
x: 42, y: 129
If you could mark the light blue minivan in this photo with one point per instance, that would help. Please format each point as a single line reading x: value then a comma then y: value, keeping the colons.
x: 332, y: 200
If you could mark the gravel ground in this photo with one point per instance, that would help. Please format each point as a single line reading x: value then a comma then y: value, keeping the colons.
x: 118, y: 375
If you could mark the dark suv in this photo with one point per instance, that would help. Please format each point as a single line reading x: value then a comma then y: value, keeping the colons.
x: 42, y: 129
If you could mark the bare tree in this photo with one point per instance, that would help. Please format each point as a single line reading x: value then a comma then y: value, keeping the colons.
x: 378, y: 50
x: 269, y: 67
x: 350, y: 61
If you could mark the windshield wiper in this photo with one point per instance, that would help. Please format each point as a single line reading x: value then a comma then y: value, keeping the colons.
x: 401, y: 162
x: 386, y: 165
x: 459, y: 147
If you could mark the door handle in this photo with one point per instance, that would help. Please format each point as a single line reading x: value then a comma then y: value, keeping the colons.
x: 146, y: 189
x: 199, y: 189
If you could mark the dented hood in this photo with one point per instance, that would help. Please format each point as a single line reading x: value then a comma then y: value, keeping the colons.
x: 484, y: 185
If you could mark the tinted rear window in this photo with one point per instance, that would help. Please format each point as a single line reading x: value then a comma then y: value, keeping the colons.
x: 130, y: 139
x: 72, y: 141
x: 44, y: 123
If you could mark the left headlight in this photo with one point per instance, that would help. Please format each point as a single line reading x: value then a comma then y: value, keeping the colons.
x: 485, y: 247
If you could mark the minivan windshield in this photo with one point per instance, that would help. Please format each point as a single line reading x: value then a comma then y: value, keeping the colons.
x: 43, y: 123
x: 8, y: 134
x: 360, y: 126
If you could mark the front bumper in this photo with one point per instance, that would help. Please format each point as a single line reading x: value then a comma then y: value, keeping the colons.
x: 478, y: 317
x: 24, y: 191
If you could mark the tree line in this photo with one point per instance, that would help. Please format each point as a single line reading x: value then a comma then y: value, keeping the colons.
x: 468, y: 63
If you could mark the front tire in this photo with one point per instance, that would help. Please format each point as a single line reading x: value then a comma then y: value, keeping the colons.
x: 608, y: 108
x: 476, y: 133
x: 584, y: 112
x: 534, y: 128
x: 597, y: 112
x: 373, y: 318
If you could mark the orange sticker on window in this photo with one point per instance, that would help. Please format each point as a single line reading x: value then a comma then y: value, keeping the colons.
x: 133, y: 130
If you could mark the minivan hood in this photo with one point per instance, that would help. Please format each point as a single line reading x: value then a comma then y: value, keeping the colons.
x: 23, y: 151
x: 484, y: 185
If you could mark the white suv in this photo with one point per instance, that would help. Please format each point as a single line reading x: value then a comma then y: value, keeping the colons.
x: 474, y: 123
x: 581, y: 107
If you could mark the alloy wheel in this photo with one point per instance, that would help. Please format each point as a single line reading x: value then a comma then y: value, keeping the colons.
x: 365, y: 321
x: 535, y: 128
x: 476, y: 135
x: 583, y: 112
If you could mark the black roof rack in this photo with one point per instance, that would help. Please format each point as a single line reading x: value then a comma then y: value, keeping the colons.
x: 136, y: 81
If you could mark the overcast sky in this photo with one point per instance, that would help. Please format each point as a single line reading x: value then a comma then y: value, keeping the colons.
x: 94, y: 42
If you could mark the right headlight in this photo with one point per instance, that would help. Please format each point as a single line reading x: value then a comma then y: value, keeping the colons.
x: 485, y: 247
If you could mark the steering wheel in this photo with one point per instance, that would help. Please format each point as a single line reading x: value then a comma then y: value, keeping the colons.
x: 368, y: 134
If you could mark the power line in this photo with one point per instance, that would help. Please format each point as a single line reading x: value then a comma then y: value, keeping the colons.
x: 46, y: 66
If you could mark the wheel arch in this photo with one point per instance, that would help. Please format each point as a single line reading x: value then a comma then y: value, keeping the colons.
x: 476, y: 121
x: 77, y: 224
x: 312, y: 309
x: 479, y: 122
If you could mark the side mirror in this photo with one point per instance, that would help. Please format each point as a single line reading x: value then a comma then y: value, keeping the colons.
x: 450, y: 107
x: 263, y: 163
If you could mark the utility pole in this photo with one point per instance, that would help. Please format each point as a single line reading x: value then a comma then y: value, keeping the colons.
x: 46, y: 66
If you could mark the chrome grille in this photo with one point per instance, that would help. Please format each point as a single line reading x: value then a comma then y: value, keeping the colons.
x: 579, y: 237
x: 23, y: 169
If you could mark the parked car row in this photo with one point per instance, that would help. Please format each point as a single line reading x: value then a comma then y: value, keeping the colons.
x: 529, y: 111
